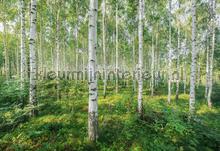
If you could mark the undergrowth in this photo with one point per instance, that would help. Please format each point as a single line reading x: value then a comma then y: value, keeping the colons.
x: 62, y: 124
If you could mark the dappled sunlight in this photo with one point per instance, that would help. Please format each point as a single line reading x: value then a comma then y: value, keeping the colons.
x: 52, y: 118
x: 203, y: 109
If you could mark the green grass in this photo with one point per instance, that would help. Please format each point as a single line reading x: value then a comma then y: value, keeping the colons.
x: 62, y: 125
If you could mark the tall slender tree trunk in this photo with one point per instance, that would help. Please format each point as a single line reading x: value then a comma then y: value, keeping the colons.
x: 40, y: 52
x: 178, y: 66
x: 152, y: 66
x: 52, y: 58
x: 6, y: 56
x: 199, y: 72
x: 77, y: 52
x: 58, y: 53
x: 193, y: 64
x: 33, y: 69
x: 157, y: 59
x: 116, y: 53
x: 41, y: 39
x: 169, y: 57
x: 23, y: 50
x: 134, y: 65
x: 93, y: 94
x: 83, y: 66
x: 184, y: 68
x: 64, y: 55
x: 212, y: 52
x: 84, y: 63
x: 104, y: 49
x: 17, y: 63
x: 140, y: 60
x: 207, y: 69
x: 184, y: 76
x: 77, y: 43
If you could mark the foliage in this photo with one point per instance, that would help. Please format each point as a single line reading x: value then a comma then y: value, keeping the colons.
x: 62, y: 125
x: 10, y: 92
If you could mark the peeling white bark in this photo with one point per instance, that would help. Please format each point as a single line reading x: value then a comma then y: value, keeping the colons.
x: 140, y: 60
x: 93, y: 94
x: 193, y: 63
x: 23, y: 37
x: 22, y: 50
x: 33, y: 69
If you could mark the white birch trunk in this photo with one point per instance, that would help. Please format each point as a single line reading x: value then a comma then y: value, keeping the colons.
x: 169, y: 57
x: 212, y: 53
x: 58, y: 54
x: 184, y: 69
x: 6, y: 57
x: 157, y: 59
x: 104, y: 49
x: 140, y: 58
x: 41, y: 39
x: 134, y: 63
x: 52, y: 58
x: 33, y: 69
x: 184, y: 76
x: 23, y: 51
x: 152, y: 67
x: 207, y: 69
x: 199, y: 72
x: 93, y: 94
x: 77, y: 43
x: 23, y: 37
x: 193, y: 64
x: 116, y: 53
x: 17, y: 60
x: 77, y: 52
x: 178, y: 66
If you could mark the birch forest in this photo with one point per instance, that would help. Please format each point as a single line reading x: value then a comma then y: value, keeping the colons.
x: 109, y: 75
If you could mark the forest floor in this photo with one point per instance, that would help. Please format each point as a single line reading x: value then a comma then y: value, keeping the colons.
x: 62, y: 125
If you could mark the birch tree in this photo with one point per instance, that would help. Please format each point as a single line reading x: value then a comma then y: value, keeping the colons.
x: 33, y: 69
x: 193, y: 63
x: 178, y: 65
x: 5, y: 46
x: 23, y: 53
x: 58, y: 52
x: 93, y: 105
x: 140, y: 58
x: 6, y: 57
x: 104, y: 49
x: 184, y: 65
x: 212, y: 4
x: 169, y: 56
x: 116, y: 51
x: 134, y: 63
x: 152, y: 66
x: 207, y: 68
